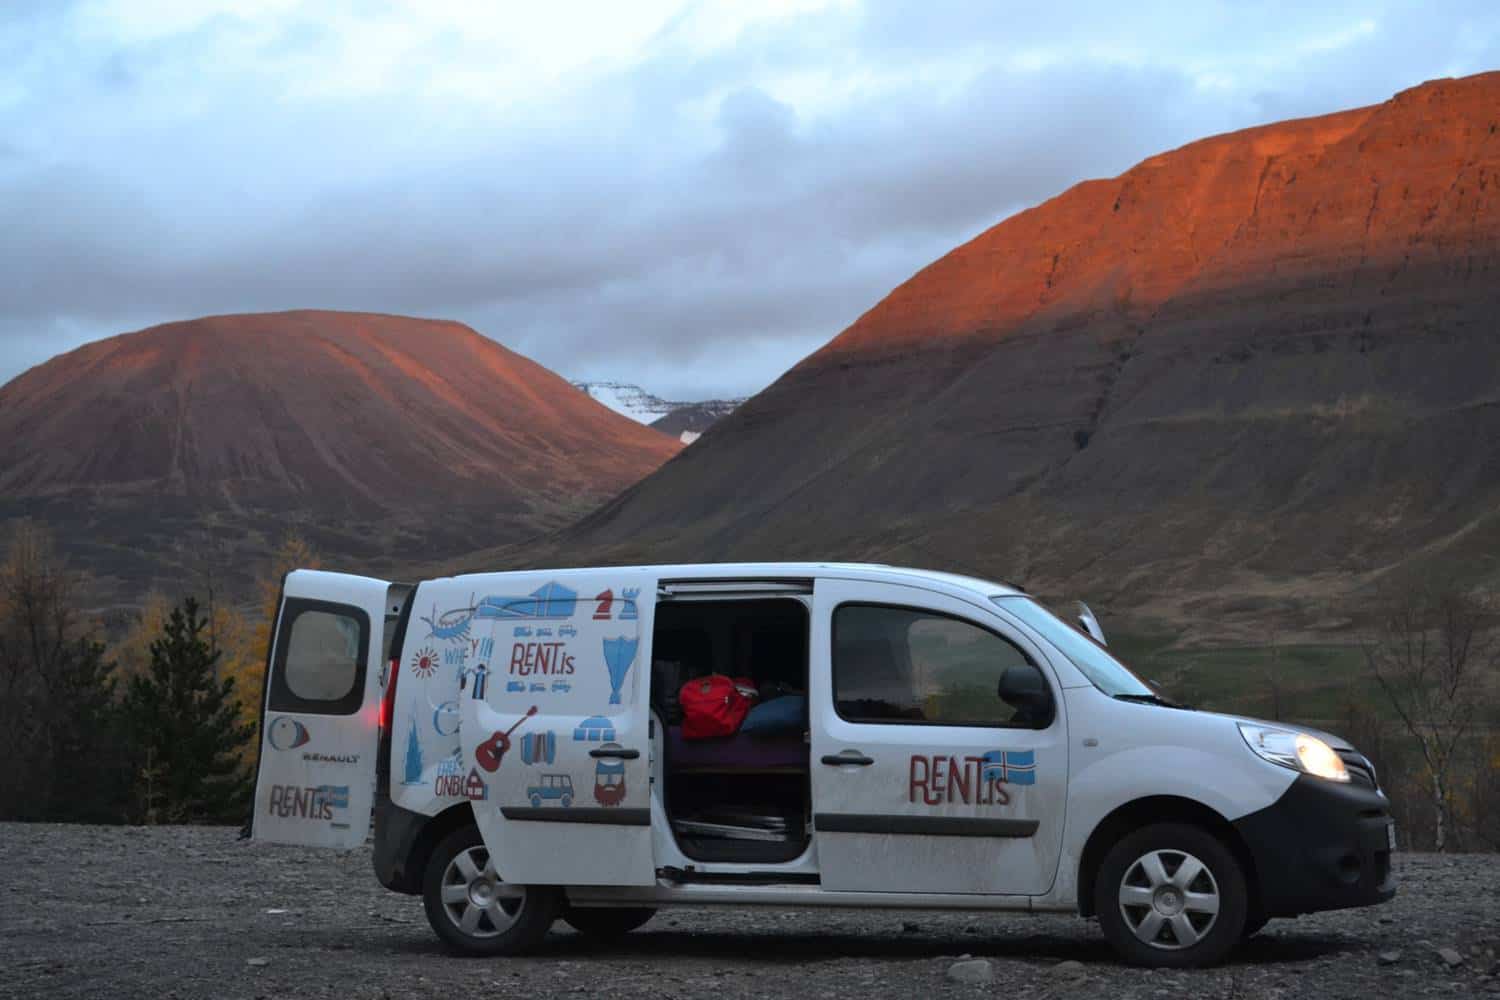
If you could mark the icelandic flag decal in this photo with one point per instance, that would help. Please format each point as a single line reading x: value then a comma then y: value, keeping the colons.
x: 1014, y: 767
x: 336, y: 796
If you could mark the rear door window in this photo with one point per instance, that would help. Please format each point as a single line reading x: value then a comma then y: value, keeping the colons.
x: 319, y: 665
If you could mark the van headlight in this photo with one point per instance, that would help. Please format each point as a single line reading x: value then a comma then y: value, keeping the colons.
x: 1298, y: 751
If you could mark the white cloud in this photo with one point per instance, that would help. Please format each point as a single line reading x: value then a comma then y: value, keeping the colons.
x: 691, y: 194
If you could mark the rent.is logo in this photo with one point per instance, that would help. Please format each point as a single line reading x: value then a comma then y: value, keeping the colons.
x: 298, y: 802
x: 971, y: 779
x: 527, y: 658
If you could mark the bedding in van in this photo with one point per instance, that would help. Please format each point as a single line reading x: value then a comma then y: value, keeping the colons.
x: 778, y: 750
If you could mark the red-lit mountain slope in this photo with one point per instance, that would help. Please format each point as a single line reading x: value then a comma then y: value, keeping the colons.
x: 1240, y: 381
x: 386, y: 440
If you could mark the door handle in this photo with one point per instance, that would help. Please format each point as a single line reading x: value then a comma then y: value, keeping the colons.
x: 847, y: 757
x: 619, y: 754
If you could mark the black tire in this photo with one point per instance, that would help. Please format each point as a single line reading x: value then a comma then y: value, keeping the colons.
x: 606, y: 923
x: 1177, y: 913
x: 524, y: 921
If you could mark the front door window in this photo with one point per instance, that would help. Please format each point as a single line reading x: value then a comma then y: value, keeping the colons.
x: 897, y: 664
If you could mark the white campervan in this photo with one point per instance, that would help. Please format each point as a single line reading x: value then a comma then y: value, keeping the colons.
x: 921, y: 740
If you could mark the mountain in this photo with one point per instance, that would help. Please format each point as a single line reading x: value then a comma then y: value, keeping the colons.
x: 684, y: 421
x: 1233, y: 386
x: 688, y: 421
x: 627, y: 400
x: 384, y: 440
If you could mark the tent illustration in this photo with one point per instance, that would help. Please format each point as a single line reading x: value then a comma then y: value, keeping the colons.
x: 550, y: 600
x: 594, y: 728
x: 619, y: 654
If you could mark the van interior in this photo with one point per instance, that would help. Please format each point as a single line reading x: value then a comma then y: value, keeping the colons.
x: 744, y: 797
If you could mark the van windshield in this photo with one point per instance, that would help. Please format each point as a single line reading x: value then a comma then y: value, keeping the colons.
x: 1107, y: 673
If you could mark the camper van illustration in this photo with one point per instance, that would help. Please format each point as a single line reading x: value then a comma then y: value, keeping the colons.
x: 549, y: 787
x: 609, y: 779
x: 566, y: 632
x: 561, y: 687
x: 543, y: 631
x: 522, y: 631
x: 515, y: 685
x: 538, y: 686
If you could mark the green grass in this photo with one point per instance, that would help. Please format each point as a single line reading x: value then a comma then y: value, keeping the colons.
x: 1315, y: 683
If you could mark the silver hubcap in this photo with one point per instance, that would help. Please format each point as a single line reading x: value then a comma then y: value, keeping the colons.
x: 475, y: 898
x: 1169, y: 899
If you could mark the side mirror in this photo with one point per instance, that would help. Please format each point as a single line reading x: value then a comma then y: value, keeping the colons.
x: 1090, y: 624
x: 1023, y: 689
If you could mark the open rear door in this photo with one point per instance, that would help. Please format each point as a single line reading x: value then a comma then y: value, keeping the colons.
x: 556, y: 724
x: 316, y: 781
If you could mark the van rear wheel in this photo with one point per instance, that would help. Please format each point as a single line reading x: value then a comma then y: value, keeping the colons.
x: 473, y: 910
x: 1171, y: 896
x: 606, y: 923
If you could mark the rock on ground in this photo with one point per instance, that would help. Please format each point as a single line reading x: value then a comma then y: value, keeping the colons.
x: 179, y: 912
x: 975, y: 970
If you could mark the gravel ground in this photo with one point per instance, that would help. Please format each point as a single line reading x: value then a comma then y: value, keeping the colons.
x: 189, y: 912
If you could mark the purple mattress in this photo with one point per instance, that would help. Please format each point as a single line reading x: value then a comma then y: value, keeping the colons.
x: 742, y: 751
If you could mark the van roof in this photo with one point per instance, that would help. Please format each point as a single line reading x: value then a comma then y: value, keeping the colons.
x: 786, y: 570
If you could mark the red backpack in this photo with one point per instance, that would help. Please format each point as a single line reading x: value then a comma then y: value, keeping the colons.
x: 714, y: 706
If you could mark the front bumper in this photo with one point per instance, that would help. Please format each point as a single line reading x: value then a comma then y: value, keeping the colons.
x: 1321, y: 846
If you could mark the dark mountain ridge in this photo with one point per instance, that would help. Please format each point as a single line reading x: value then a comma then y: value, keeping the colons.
x: 1236, y: 384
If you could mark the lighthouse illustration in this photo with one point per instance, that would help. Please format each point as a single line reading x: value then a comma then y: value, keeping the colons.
x: 413, y: 771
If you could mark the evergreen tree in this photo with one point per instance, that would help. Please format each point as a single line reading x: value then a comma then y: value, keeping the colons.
x: 59, y: 723
x: 90, y: 733
x: 185, y: 728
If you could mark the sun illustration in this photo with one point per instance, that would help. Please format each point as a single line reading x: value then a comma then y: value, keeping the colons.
x: 424, y: 662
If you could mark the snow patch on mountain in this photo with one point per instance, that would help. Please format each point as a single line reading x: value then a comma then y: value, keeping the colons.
x: 685, y: 421
x: 628, y: 400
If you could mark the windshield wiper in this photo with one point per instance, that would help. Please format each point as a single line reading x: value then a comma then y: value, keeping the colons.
x: 1151, y: 699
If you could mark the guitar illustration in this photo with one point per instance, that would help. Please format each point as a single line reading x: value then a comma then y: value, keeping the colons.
x: 491, y: 752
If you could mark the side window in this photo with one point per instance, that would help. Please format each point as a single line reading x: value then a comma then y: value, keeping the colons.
x: 894, y: 664
x: 319, y: 665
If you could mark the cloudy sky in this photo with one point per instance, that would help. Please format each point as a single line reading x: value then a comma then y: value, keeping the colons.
x: 687, y: 195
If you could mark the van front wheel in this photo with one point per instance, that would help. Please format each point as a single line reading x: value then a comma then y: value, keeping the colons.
x: 473, y: 910
x: 1171, y: 896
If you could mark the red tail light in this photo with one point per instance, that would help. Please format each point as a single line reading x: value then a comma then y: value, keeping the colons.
x: 388, y: 701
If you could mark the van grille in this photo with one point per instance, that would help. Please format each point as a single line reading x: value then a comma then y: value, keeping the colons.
x: 1361, y: 771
